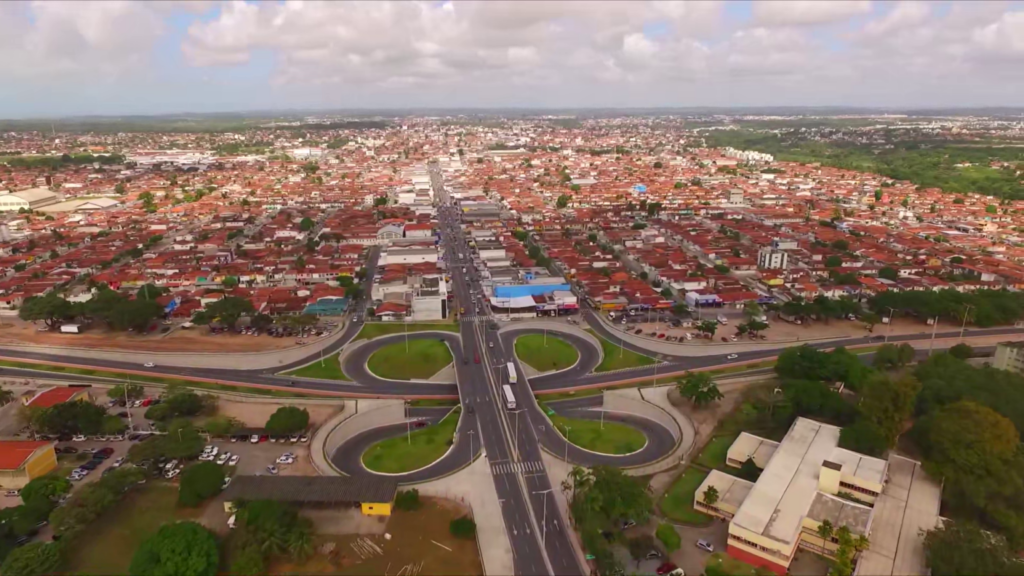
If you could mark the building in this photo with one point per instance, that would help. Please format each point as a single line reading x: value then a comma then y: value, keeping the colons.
x: 373, y: 496
x: 31, y: 199
x: 24, y: 460
x: 1009, y: 356
x: 53, y: 396
x: 807, y: 479
x: 772, y: 259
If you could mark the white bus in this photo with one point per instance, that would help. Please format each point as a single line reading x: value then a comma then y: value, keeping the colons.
x: 512, y: 378
x: 510, y: 399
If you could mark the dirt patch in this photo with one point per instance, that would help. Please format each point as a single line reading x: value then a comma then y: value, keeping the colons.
x: 256, y: 414
x: 198, y: 339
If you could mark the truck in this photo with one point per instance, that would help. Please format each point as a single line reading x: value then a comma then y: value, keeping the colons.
x: 70, y: 329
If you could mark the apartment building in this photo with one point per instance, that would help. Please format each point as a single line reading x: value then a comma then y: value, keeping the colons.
x: 1009, y: 356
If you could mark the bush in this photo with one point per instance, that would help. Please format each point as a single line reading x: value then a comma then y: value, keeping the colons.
x: 182, y: 549
x: 288, y: 420
x: 199, y: 482
x: 159, y: 413
x: 961, y: 351
x: 668, y: 537
x: 408, y: 500
x: 463, y: 527
x: 93, y: 499
x: 32, y: 560
x: 221, y: 425
x: 249, y: 562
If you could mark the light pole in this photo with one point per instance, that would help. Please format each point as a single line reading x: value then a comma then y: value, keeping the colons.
x: 515, y: 439
x: 567, y: 428
x: 889, y: 329
x: 544, y: 517
x: 931, y: 344
x: 964, y: 325
x: 471, y: 446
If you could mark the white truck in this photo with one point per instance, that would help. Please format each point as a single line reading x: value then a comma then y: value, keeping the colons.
x: 70, y: 329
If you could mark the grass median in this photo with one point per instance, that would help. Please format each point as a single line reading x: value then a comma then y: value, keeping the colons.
x: 327, y: 369
x: 677, y: 503
x: 417, y: 360
x: 375, y: 329
x: 612, y: 438
x: 412, y: 451
x: 617, y: 358
x: 546, y: 354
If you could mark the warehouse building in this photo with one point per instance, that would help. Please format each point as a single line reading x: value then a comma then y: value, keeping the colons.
x: 807, y: 479
x: 31, y: 199
x: 23, y: 460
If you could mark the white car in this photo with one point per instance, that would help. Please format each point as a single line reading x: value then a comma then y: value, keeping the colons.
x: 172, y: 473
x: 227, y: 482
x: 285, y: 460
x: 254, y: 439
x: 303, y: 438
x: 294, y: 438
x: 211, y: 450
x: 732, y: 356
x: 78, y: 438
x: 223, y: 458
x: 272, y: 469
x: 12, y: 493
x: 149, y: 365
x: 206, y: 457
x: 118, y: 463
x: 234, y: 460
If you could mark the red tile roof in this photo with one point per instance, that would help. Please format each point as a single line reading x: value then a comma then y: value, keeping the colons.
x: 53, y: 396
x: 14, y: 453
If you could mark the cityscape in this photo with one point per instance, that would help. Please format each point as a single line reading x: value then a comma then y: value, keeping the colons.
x: 479, y: 310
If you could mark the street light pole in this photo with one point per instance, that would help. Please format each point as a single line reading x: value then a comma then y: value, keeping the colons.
x: 544, y: 517
x: 471, y: 446
x: 931, y: 344
x: 889, y: 329
x: 567, y: 428
x: 964, y: 325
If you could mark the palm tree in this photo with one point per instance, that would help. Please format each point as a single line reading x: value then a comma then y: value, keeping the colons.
x: 825, y: 531
x: 300, y: 544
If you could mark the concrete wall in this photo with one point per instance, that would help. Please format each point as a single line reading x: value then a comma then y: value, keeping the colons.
x: 630, y: 400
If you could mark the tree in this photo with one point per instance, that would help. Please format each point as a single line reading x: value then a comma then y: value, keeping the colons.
x: 870, y: 319
x: 699, y: 388
x: 229, y: 282
x: 956, y: 260
x: 262, y: 321
x: 34, y: 559
x: 708, y: 327
x: 288, y: 420
x: 150, y: 291
x: 991, y: 209
x: 249, y: 561
x: 667, y: 535
x: 181, y: 441
x: 833, y: 261
x: 307, y: 224
x: 199, y: 482
x: 889, y: 273
x: 345, y: 280
x: 639, y: 546
x: 408, y: 500
x: 463, y: 527
x: 864, y: 437
x: 967, y: 443
x: 6, y: 396
x: 840, y: 245
x: 644, y: 275
x: 51, y: 309
x: 749, y: 470
x: 68, y: 418
x: 227, y: 311
x: 126, y: 390
x: 825, y: 532
x: 658, y: 164
x: 354, y: 292
x: 962, y: 548
x: 112, y: 425
x: 677, y: 185
x: 752, y: 310
x: 563, y: 200
x: 710, y: 496
x: 960, y: 351
x: 181, y: 549
x: 221, y: 425
x: 119, y: 188
x: 45, y: 489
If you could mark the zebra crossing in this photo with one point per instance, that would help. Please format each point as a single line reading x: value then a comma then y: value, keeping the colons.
x: 474, y: 318
x: 513, y: 467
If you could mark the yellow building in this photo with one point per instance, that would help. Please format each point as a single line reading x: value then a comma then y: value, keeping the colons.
x: 373, y: 496
x: 24, y: 460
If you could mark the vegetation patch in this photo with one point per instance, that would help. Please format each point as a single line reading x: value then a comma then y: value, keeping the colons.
x: 714, y: 453
x: 415, y: 360
x: 546, y: 353
x: 616, y: 358
x: 677, y: 504
x: 612, y: 438
x: 375, y: 329
x: 328, y: 368
x: 414, y: 450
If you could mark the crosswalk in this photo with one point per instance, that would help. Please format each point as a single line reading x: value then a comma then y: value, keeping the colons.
x: 474, y: 318
x: 513, y: 467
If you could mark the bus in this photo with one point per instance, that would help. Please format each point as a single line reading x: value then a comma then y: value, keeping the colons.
x: 510, y: 399
x: 512, y: 379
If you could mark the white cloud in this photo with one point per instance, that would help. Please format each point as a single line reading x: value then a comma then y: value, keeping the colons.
x: 1005, y: 36
x: 807, y: 12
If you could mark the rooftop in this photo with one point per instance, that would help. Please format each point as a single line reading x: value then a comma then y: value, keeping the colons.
x: 14, y: 453
x: 53, y: 396
x: 311, y: 489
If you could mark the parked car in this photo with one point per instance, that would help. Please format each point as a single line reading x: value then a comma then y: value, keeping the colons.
x: 652, y: 555
x: 78, y: 438
x: 118, y: 463
x: 227, y: 482
x: 705, y: 545
x: 254, y: 439
x: 12, y: 493
x: 732, y: 356
x: 272, y: 469
x: 233, y: 461
x: 223, y: 458
x: 666, y: 568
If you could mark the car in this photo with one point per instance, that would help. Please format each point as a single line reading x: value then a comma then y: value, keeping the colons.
x: 705, y: 545
x: 81, y: 471
x: 476, y: 358
x: 118, y: 463
x: 106, y: 450
x: 628, y: 524
x: 223, y: 458
x: 78, y: 438
x: 293, y: 438
x: 12, y: 493
x: 420, y: 424
x: 233, y: 461
x: 490, y: 344
x: 227, y: 482
x: 732, y: 356
x: 666, y: 568
x: 638, y: 331
x: 254, y: 439
x: 172, y: 473
x: 652, y: 555
x: 303, y: 438
x: 149, y: 365
x: 272, y: 469
x: 90, y: 465
x: 100, y: 456
x: 170, y: 465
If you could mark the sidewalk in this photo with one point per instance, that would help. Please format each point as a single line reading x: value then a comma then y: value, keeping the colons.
x: 474, y: 487
x: 318, y: 443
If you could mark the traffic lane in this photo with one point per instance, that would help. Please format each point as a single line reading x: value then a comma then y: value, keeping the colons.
x: 589, y: 354
x: 554, y: 534
x: 593, y: 401
x: 355, y: 367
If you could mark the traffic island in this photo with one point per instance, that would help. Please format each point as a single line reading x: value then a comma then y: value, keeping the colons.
x: 616, y: 357
x: 328, y: 368
x: 414, y: 450
x: 546, y: 353
x: 418, y: 359
x: 607, y: 438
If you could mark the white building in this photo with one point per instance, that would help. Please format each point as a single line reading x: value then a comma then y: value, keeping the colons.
x: 31, y: 199
x: 772, y: 259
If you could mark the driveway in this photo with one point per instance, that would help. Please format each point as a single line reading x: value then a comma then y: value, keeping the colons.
x: 692, y: 559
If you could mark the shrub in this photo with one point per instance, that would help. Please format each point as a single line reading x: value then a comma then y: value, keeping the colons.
x: 408, y: 500
x: 463, y: 527
x: 32, y: 559
x: 199, y: 482
x: 288, y: 420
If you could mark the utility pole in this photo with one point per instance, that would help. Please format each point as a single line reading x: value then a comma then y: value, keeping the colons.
x: 567, y: 428
x: 602, y: 419
x: 544, y: 519
x: 321, y: 357
x: 128, y: 408
x: 406, y: 336
x: 931, y: 344
x: 889, y: 329
x: 964, y: 325
x: 471, y: 446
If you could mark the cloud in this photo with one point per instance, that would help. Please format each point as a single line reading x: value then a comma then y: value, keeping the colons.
x: 1004, y: 36
x: 807, y: 12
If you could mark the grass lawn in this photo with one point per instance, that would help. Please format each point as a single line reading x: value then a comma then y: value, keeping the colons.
x: 721, y: 564
x: 428, y: 403
x: 416, y: 540
x: 713, y: 455
x: 419, y: 449
x: 744, y: 368
x: 330, y: 370
x: 615, y: 438
x: 107, y: 546
x: 552, y: 354
x: 423, y: 359
x: 374, y: 329
x: 151, y: 379
x: 677, y: 503
x: 616, y: 358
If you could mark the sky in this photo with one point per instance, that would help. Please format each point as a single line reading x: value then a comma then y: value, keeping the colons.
x: 157, y: 57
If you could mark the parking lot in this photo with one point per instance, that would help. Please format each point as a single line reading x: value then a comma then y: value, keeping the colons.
x: 254, y: 458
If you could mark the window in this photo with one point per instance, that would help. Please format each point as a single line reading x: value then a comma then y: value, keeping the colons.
x: 856, y: 488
